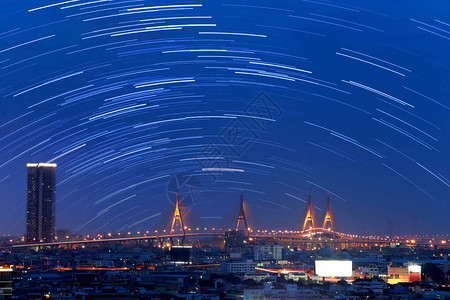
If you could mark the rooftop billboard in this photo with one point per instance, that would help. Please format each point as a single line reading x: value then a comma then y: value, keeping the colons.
x: 334, y: 268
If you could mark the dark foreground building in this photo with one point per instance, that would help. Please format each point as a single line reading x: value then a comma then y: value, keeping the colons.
x: 40, y: 202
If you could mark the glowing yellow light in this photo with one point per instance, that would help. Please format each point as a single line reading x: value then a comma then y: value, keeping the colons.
x: 5, y: 268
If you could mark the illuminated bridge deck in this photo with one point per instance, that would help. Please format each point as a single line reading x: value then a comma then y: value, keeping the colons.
x: 294, y: 237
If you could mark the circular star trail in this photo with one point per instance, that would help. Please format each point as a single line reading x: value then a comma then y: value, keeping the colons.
x: 270, y: 97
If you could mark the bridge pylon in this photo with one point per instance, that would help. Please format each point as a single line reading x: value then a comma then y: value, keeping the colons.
x: 177, y: 217
x: 309, y: 223
x: 328, y: 222
x: 241, y: 218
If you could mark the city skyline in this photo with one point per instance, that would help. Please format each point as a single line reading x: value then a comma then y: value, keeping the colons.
x: 135, y: 100
x: 41, y: 187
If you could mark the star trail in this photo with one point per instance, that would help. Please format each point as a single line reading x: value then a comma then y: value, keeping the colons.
x: 271, y: 97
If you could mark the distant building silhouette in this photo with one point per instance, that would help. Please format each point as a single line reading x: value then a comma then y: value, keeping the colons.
x: 40, y: 202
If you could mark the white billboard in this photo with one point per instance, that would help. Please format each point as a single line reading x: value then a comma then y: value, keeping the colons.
x: 414, y: 269
x: 334, y: 268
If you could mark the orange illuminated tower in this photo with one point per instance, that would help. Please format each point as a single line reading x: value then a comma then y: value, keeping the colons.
x: 328, y: 222
x: 242, y: 219
x: 309, y: 219
x: 177, y: 216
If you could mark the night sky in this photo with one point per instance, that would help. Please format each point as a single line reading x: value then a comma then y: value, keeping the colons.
x: 132, y: 98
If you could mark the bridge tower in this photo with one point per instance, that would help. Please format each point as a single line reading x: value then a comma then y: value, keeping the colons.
x: 328, y: 222
x: 177, y: 217
x: 309, y: 219
x: 241, y: 218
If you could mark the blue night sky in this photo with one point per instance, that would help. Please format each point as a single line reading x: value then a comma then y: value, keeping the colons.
x: 133, y: 97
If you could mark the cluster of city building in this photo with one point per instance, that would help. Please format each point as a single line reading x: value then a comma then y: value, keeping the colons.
x: 211, y: 268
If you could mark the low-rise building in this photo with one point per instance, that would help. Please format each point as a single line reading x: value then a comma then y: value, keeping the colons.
x: 5, y: 281
x: 256, y: 276
x: 366, y: 285
x: 239, y: 267
x: 408, y: 273
x: 286, y: 291
x: 296, y: 276
x: 268, y: 252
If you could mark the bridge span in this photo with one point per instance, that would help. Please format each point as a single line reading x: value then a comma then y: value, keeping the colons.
x: 290, y: 238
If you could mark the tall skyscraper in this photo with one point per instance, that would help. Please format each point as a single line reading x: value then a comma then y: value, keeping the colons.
x: 41, y: 202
